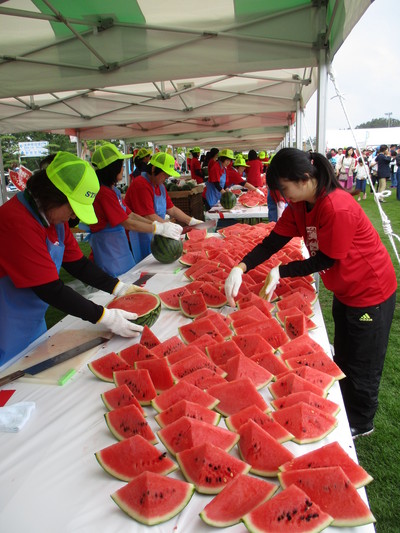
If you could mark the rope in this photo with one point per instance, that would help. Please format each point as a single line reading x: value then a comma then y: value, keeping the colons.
x: 378, y: 196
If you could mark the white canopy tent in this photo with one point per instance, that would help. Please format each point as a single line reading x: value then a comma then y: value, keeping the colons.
x: 228, y: 73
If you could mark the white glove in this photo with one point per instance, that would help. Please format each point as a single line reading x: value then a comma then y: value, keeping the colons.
x: 270, y: 284
x: 167, y: 229
x: 122, y: 289
x: 260, y: 192
x: 232, y: 284
x: 118, y: 321
x: 195, y: 221
x: 281, y: 206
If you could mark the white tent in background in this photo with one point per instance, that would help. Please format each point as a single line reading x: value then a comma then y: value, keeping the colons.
x: 366, y: 138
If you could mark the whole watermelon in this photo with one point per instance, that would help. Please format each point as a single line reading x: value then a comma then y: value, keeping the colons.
x: 166, y: 250
x: 228, y: 200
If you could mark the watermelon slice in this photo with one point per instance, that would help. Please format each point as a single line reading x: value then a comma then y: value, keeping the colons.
x: 252, y: 343
x: 236, y: 395
x: 151, y: 498
x: 269, y: 329
x: 331, y: 489
x: 183, y: 391
x: 295, y: 300
x: 318, y: 378
x: 160, y: 373
x: 191, y: 258
x: 290, y: 510
x: 203, y: 341
x: 239, y: 497
x: 196, y: 329
x: 280, y: 316
x: 129, y: 458
x: 183, y: 353
x: 146, y: 305
x: 240, y: 366
x: 104, y: 367
x: 204, y: 378
x: 323, y: 404
x: 186, y: 432
x: 271, y: 362
x: 212, y: 296
x: 209, y: 468
x: 305, y: 422
x: 295, y: 325
x: 258, y: 448
x: 293, y: 383
x: 139, y: 382
x: 302, y: 345
x: 318, y: 360
x: 169, y: 346
x: 128, y: 421
x: 148, y: 338
x: 192, y: 305
x: 119, y: 397
x: 136, y: 352
x: 189, y: 409
x: 330, y: 455
x: 171, y: 297
x: 221, y: 322
x: 192, y: 363
x: 219, y: 353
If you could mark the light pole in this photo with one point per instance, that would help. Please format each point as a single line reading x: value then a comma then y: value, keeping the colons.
x: 388, y: 116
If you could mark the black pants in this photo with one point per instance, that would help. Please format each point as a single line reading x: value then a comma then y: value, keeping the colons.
x: 361, y: 339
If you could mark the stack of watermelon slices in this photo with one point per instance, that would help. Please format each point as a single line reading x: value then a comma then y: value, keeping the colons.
x: 216, y: 366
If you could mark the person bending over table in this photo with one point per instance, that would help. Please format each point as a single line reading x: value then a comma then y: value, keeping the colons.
x: 148, y: 197
x: 234, y: 175
x: 108, y: 238
x: 344, y: 248
x: 36, y: 241
x: 217, y: 177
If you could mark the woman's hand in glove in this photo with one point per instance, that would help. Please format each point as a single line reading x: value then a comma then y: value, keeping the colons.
x: 232, y: 284
x: 118, y: 321
x: 195, y: 221
x: 270, y: 284
x: 167, y: 229
x: 122, y: 289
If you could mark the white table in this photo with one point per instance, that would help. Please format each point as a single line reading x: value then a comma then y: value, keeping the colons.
x: 236, y: 214
x: 50, y: 479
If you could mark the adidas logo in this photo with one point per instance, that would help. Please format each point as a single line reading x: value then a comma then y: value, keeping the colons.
x: 365, y: 318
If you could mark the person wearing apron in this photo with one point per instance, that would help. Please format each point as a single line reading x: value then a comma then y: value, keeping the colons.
x: 35, y: 233
x: 108, y: 239
x: 217, y: 177
x: 148, y: 197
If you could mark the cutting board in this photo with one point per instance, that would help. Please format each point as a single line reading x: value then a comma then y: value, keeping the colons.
x: 57, y: 343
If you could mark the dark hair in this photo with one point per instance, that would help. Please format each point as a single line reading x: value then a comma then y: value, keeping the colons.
x: 252, y: 155
x: 45, y: 194
x: 360, y: 160
x: 295, y: 165
x: 44, y: 163
x: 209, y: 155
x: 108, y: 175
x: 347, y: 151
x: 383, y: 148
x: 155, y: 172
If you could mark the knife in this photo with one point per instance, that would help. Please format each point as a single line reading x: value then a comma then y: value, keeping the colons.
x: 204, y: 225
x: 53, y: 361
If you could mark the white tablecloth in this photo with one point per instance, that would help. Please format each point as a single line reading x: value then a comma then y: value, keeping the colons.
x: 237, y: 212
x: 50, y: 479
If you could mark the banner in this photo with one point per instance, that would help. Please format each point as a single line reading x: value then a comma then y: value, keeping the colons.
x: 33, y: 149
x: 20, y: 178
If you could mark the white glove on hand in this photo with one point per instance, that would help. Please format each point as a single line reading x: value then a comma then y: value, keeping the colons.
x: 122, y: 289
x: 270, y: 284
x: 167, y: 229
x: 260, y: 192
x: 118, y: 321
x: 281, y: 206
x: 195, y: 221
x: 232, y: 284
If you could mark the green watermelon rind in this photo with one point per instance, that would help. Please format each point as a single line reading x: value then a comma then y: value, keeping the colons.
x: 166, y: 250
x: 145, y: 319
x: 120, y: 436
x: 94, y: 367
x: 228, y: 200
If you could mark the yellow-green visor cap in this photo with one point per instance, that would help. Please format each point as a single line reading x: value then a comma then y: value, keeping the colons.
x: 261, y: 155
x: 78, y: 181
x: 226, y: 153
x: 107, y: 154
x: 143, y: 152
x: 240, y: 162
x: 166, y: 162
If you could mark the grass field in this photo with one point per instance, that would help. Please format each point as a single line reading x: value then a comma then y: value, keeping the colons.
x: 378, y: 453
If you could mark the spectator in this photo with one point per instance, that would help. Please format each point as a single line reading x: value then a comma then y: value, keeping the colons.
x: 361, y: 179
x: 255, y: 169
x: 383, y: 161
x: 345, y: 167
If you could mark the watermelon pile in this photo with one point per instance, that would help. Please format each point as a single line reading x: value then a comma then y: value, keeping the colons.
x: 229, y: 401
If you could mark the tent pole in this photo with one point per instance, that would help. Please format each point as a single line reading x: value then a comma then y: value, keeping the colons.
x: 299, y: 125
x: 3, y: 189
x: 126, y: 164
x: 78, y: 144
x: 322, y: 95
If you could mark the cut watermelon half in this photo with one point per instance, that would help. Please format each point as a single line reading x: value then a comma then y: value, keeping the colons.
x: 146, y: 305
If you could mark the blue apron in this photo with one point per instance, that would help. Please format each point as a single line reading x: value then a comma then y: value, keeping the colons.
x: 140, y: 242
x: 110, y: 247
x: 213, y: 195
x: 22, y: 312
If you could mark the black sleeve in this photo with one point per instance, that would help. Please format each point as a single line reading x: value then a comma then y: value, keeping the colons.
x: 199, y: 173
x: 265, y: 249
x: 89, y: 273
x: 217, y: 185
x: 317, y: 263
x: 69, y: 301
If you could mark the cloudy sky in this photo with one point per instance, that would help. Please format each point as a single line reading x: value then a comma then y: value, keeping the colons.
x: 367, y: 70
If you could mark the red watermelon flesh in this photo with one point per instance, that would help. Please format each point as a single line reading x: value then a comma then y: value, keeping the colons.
x: 139, y: 382
x: 320, y: 379
x: 128, y: 421
x: 250, y: 314
x: 330, y: 455
x: 240, y: 366
x: 221, y: 322
x: 146, y: 305
x: 194, y: 330
x: 197, y: 266
x: 192, y: 305
x: 220, y: 353
x: 160, y: 373
x: 148, y: 338
x: 119, y: 397
x: 271, y: 362
x: 130, y: 457
x: 252, y: 343
x: 269, y: 329
x: 280, y: 316
x: 204, y: 378
x: 185, y: 433
x: 262, y: 419
x: 196, y: 234
x: 212, y: 296
x: 295, y: 325
x: 293, y: 383
x: 183, y: 353
x: 152, y: 498
x: 191, y: 258
x: 259, y: 449
x: 295, y: 300
x: 171, y: 297
x: 318, y: 360
x: 166, y: 348
x: 104, y: 367
x: 302, y: 345
x: 305, y: 422
x: 290, y: 510
x: 236, y: 395
x: 188, y: 409
x: 183, y: 391
x: 219, y: 317
x: 192, y: 363
x: 136, y: 352
x: 242, y: 495
x: 331, y: 489
x: 323, y: 404
x: 254, y: 300
x: 209, y: 468
x: 203, y: 342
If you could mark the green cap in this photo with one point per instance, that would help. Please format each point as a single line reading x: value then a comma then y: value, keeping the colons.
x: 226, y: 153
x: 78, y: 181
x: 261, y: 155
x: 107, y: 154
x: 143, y: 152
x: 240, y: 162
x: 166, y: 162
x: 196, y: 150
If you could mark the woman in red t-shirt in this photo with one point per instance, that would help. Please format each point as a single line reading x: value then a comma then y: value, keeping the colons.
x: 255, y: 169
x: 345, y: 249
x: 195, y: 166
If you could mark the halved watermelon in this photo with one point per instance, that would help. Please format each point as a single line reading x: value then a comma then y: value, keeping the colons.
x: 183, y: 391
x: 130, y: 457
x: 146, y: 305
x: 209, y: 468
x: 189, y: 409
x: 139, y: 382
x: 236, y: 395
x: 128, y: 421
x: 151, y: 498
x: 323, y: 404
x: 104, y: 367
x: 119, y: 397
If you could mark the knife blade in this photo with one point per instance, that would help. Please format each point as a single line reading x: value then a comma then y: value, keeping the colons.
x: 204, y: 225
x: 53, y: 361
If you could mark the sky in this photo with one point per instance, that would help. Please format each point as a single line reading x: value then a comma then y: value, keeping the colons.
x: 367, y: 70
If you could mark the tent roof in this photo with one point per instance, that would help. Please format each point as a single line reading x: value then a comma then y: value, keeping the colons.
x: 180, y: 72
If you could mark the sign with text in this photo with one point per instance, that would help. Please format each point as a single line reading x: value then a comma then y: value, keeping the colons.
x: 33, y: 149
x: 20, y: 178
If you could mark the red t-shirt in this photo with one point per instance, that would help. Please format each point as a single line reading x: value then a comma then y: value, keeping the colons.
x: 140, y: 197
x: 363, y: 274
x: 215, y: 171
x: 233, y: 177
x: 25, y: 258
x: 108, y: 209
x: 195, y: 165
x: 253, y: 173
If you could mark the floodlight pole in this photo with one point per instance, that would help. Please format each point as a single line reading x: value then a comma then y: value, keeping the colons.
x: 3, y: 189
x: 389, y: 120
